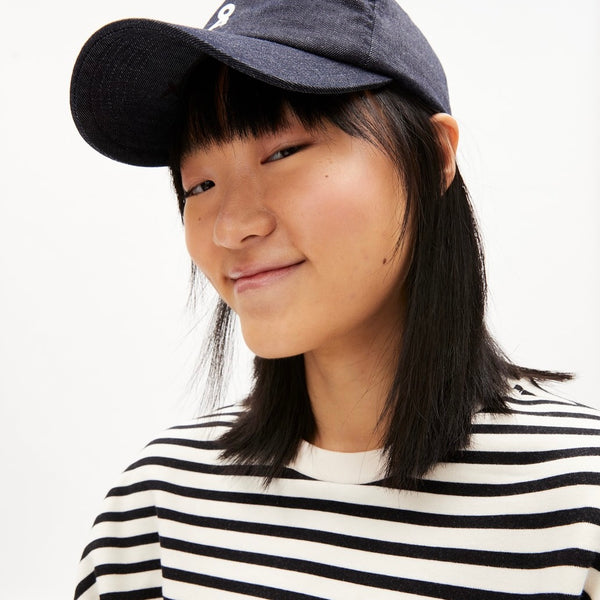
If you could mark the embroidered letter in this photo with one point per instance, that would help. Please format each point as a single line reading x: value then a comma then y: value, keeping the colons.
x: 223, y: 16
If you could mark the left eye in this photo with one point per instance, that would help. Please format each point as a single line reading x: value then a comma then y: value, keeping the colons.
x: 283, y: 153
x: 199, y: 189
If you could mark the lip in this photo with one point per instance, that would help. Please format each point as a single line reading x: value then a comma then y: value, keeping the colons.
x: 255, y: 277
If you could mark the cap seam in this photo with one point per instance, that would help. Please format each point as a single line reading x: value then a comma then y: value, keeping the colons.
x: 369, y: 60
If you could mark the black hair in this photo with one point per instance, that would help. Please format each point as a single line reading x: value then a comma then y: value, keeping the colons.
x: 448, y: 366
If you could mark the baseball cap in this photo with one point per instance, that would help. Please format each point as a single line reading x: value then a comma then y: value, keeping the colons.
x: 126, y: 80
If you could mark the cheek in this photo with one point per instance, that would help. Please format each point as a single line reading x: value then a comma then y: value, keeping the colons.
x: 352, y: 217
x: 198, y: 240
x: 192, y: 224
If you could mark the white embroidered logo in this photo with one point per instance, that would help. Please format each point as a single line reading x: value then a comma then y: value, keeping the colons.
x: 223, y: 16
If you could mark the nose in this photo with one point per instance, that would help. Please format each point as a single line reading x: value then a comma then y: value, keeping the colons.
x: 243, y: 215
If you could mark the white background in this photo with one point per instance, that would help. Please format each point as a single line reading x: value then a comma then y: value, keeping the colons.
x: 96, y: 345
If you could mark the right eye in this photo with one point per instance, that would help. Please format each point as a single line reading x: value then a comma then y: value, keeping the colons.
x: 199, y: 188
x: 284, y: 153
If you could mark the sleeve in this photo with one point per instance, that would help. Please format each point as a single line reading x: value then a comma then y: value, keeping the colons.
x: 123, y: 556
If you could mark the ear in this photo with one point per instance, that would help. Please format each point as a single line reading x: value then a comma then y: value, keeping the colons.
x: 447, y: 130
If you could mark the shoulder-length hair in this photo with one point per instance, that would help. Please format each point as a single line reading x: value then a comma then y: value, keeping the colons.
x: 448, y: 366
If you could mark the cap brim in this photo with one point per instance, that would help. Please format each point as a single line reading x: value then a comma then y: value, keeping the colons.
x: 125, y: 80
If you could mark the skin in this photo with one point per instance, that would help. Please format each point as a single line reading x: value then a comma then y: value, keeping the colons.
x: 327, y: 208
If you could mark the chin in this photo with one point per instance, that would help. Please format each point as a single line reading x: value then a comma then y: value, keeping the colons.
x: 272, y: 345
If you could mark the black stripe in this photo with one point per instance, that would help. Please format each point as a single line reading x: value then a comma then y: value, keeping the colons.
x: 240, y: 587
x: 222, y: 411
x: 127, y: 568
x: 379, y: 513
x: 197, y: 444
x: 568, y: 415
x: 212, y: 469
x: 218, y: 414
x: 147, y: 594
x: 500, y: 429
x: 124, y: 542
x: 319, y: 569
x: 523, y: 391
x: 202, y: 425
x: 451, y: 488
x: 126, y: 515
x: 509, y: 560
x: 446, y: 488
x: 84, y: 585
x: 541, y: 401
x: 464, y: 456
x: 500, y: 457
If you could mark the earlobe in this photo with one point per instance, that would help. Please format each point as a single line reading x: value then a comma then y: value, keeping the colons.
x: 447, y: 130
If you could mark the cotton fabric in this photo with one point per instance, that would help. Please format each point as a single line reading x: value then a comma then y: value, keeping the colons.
x: 515, y: 515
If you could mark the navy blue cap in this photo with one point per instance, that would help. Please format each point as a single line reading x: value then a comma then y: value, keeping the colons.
x: 125, y: 80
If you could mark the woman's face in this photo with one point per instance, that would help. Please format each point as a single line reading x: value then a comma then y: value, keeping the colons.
x: 297, y: 232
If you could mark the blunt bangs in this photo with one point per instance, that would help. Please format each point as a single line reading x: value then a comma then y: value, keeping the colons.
x: 219, y: 104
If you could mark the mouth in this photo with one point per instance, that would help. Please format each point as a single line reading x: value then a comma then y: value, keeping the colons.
x: 259, y: 277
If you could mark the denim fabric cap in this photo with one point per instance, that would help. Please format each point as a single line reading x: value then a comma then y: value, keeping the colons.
x: 124, y: 89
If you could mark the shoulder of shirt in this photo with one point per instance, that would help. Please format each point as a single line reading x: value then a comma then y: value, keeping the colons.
x: 534, y: 411
x: 531, y: 410
x: 207, y: 427
x: 537, y: 421
x: 190, y: 446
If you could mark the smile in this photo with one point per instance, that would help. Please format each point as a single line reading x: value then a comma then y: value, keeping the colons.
x: 255, y: 279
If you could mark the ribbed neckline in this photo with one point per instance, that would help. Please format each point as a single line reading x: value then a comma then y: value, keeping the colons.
x: 339, y: 467
x: 343, y: 467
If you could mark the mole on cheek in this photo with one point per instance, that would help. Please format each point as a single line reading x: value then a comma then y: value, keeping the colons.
x: 384, y: 261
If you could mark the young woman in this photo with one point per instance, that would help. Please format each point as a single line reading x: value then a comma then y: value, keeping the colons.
x: 387, y: 449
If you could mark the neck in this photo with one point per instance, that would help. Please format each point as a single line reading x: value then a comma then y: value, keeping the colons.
x: 348, y: 387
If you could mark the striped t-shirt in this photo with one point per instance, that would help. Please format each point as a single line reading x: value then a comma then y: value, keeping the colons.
x: 516, y: 515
